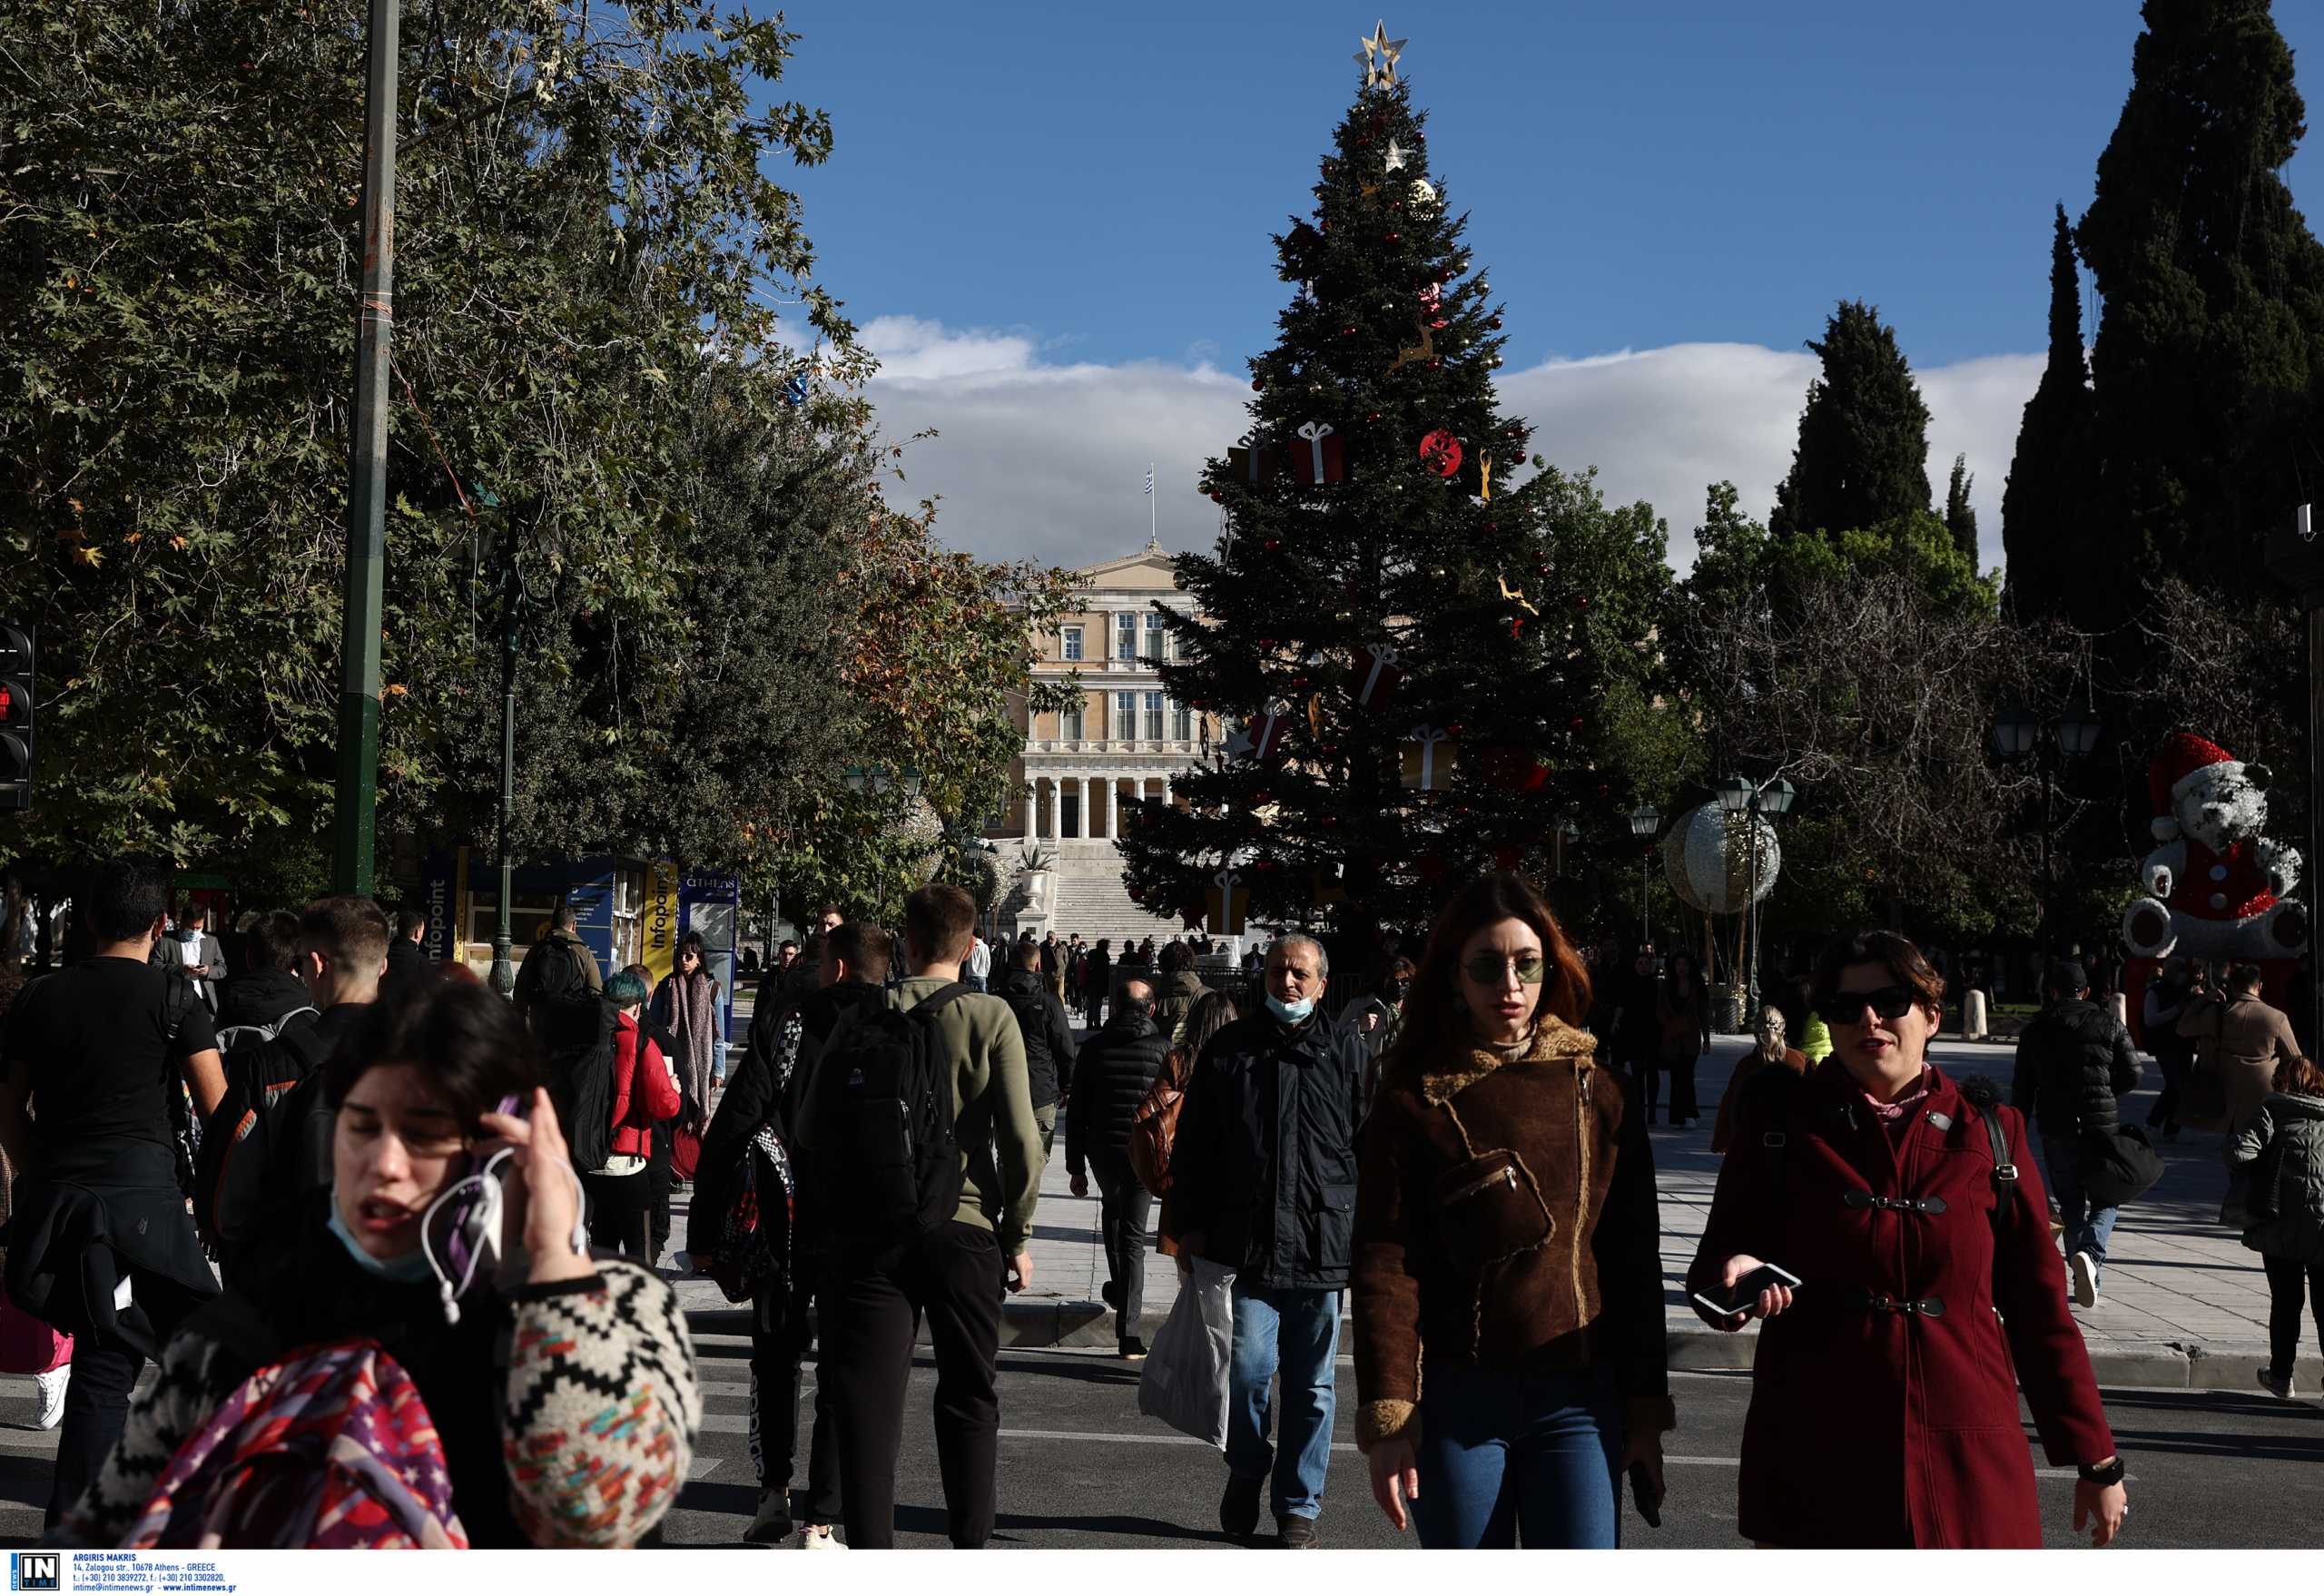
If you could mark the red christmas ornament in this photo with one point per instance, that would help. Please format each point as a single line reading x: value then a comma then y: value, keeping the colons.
x: 1574, y: 725
x: 1581, y: 601
x: 1348, y: 332
x: 1496, y: 327
x: 1258, y: 385
x: 1440, y: 451
x: 1436, y: 365
x: 1273, y: 545
x: 1393, y: 237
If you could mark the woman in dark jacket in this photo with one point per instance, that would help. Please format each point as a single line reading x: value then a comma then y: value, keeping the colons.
x: 516, y: 1364
x: 1884, y: 1397
x: 1686, y: 1034
x: 2283, y: 1145
x: 1510, y: 1355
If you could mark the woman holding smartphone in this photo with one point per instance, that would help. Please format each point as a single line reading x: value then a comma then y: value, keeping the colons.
x: 1910, y: 1210
x: 1510, y: 1355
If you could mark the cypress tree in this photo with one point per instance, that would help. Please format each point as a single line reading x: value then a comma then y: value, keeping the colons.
x: 1863, y: 454
x: 2048, y: 493
x: 2211, y: 338
x: 1960, y: 515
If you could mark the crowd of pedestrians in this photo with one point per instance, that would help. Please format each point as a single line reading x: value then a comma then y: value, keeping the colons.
x: 330, y: 1166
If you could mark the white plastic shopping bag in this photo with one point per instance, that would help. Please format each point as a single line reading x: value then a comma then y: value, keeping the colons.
x: 1185, y: 1382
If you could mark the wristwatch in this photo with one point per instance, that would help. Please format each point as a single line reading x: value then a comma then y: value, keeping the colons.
x: 2106, y: 1473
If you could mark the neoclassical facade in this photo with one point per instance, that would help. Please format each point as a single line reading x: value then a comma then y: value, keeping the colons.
x: 1125, y: 740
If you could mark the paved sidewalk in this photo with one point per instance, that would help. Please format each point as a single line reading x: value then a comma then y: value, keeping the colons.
x: 2183, y: 1303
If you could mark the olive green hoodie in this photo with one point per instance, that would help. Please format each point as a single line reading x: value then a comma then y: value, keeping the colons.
x: 1001, y: 1141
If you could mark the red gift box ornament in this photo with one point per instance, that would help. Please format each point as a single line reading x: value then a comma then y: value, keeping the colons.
x: 1379, y: 668
x: 1516, y: 770
x: 1440, y: 451
x: 1323, y: 460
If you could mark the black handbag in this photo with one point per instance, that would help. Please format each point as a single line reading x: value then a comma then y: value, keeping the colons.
x: 2118, y: 1166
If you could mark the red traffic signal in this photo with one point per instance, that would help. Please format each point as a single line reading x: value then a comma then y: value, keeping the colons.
x: 15, y: 716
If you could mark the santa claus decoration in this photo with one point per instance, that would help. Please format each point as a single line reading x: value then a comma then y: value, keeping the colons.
x: 2217, y: 884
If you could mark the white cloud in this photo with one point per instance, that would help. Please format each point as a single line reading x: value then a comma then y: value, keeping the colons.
x: 1046, y: 460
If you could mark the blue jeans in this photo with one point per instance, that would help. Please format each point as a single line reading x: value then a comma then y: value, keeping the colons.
x: 2087, y: 1227
x: 1505, y: 1456
x: 1300, y: 1332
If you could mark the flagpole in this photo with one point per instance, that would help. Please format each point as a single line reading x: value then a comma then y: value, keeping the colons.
x: 1153, y: 507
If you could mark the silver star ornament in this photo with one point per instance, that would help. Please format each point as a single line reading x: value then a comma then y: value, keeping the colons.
x: 1396, y: 156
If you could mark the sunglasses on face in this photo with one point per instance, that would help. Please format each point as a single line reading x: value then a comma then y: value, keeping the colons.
x: 1847, y: 1007
x: 1487, y: 970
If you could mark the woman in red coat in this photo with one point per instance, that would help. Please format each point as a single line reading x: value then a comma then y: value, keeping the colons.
x: 620, y: 1193
x: 1929, y: 1291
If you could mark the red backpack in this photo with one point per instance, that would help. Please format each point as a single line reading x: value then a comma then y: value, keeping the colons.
x: 331, y: 1448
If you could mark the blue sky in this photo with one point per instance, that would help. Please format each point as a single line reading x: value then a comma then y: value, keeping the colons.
x: 1053, y: 221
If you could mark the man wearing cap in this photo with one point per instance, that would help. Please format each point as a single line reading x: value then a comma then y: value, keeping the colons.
x: 2075, y: 1063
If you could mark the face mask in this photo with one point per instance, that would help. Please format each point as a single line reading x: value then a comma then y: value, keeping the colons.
x: 406, y: 1270
x: 1290, y: 1013
x: 1396, y: 990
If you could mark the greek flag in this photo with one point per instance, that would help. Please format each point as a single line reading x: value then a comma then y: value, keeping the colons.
x: 1149, y: 479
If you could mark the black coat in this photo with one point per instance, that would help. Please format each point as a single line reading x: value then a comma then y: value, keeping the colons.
x: 1116, y: 1069
x: 2074, y: 1060
x: 260, y: 997
x: 1263, y: 1163
x: 1048, y: 1035
x: 408, y: 966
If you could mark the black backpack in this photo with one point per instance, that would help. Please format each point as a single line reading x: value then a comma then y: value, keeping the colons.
x: 887, y: 1166
x: 242, y: 1140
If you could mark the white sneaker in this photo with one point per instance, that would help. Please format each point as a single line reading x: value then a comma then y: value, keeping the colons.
x: 52, y: 1395
x: 2084, y: 1269
x: 818, y: 1538
x: 2277, y: 1385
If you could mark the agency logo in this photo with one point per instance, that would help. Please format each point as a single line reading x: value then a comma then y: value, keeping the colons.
x: 35, y: 1571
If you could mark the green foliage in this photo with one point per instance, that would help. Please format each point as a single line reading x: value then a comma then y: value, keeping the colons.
x: 2209, y: 353
x: 1863, y: 452
x: 1960, y: 515
x: 1525, y: 621
x: 2046, y: 502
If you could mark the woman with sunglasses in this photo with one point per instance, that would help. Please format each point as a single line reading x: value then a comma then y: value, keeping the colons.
x: 1928, y: 1290
x: 519, y: 1343
x: 1509, y: 1355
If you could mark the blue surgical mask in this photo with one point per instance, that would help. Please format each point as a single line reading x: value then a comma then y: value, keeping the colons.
x: 406, y: 1270
x: 1290, y: 1013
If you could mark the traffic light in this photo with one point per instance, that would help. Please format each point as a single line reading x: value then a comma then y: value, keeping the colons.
x: 15, y: 715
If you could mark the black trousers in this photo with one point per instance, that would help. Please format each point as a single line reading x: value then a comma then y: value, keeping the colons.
x: 1682, y: 1088
x: 96, y: 1404
x: 2285, y: 1279
x: 658, y: 1175
x: 2165, y: 1112
x: 775, y: 1358
x: 621, y: 1212
x: 1123, y: 1204
x: 871, y: 1308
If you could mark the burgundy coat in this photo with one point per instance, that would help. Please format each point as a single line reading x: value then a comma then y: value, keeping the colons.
x: 1872, y: 1428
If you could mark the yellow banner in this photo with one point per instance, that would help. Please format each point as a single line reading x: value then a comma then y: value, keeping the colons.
x: 660, y: 919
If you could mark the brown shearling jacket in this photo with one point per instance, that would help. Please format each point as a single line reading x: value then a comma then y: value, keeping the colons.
x: 1505, y: 1220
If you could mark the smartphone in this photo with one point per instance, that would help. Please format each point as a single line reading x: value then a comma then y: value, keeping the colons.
x: 1643, y: 1493
x: 1745, y: 1296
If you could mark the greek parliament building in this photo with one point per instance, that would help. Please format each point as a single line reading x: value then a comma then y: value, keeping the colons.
x: 1082, y: 766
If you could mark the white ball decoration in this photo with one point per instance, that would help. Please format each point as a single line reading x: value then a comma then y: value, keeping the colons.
x: 1424, y: 194
x: 1707, y: 858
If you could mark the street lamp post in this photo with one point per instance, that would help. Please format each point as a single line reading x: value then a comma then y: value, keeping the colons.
x: 1565, y: 836
x: 1644, y: 822
x: 1741, y: 795
x: 2020, y: 735
x: 512, y: 624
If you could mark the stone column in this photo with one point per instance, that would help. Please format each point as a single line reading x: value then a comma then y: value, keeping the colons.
x: 1088, y: 831
x: 1057, y: 809
x: 1113, y: 806
x: 1032, y: 802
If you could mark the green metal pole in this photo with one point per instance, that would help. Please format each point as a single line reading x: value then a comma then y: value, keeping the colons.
x: 359, y: 697
x: 512, y: 594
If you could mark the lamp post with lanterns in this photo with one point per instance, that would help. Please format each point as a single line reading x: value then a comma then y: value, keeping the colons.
x: 1741, y: 795
x: 2022, y: 737
x: 1645, y: 820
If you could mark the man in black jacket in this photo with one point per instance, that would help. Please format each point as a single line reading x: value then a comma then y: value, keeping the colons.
x: 765, y: 1089
x: 2074, y: 1062
x: 407, y: 962
x: 1115, y: 1072
x: 1049, y: 1036
x: 267, y: 991
x: 1263, y: 1182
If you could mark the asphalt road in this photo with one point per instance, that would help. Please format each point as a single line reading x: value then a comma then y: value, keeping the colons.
x: 1079, y: 1467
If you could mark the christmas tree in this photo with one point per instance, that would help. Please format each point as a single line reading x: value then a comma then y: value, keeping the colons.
x: 1415, y: 658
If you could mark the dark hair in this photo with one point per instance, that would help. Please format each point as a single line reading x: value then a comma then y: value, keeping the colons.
x: 1694, y: 975
x: 1399, y: 969
x: 865, y: 949
x: 121, y: 898
x: 787, y: 942
x: 1212, y: 1013
x: 1177, y: 956
x: 2241, y: 976
x: 692, y: 940
x: 1434, y: 1011
x: 2298, y: 1076
x: 622, y: 989
x: 409, y: 920
x: 274, y: 941
x: 939, y: 921
x: 345, y: 930
x: 464, y: 1038
x: 1029, y: 954
x: 1903, y: 961
x: 566, y: 917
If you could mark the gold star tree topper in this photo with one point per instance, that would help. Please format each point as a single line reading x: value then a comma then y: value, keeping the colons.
x: 1378, y: 56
